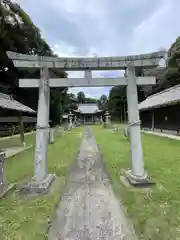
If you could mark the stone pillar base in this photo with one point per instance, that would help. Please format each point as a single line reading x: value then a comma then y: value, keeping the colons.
x: 70, y: 127
x: 41, y: 187
x: 126, y: 133
x: 23, y: 144
x: 144, y: 181
x: 51, y: 136
x: 115, y: 128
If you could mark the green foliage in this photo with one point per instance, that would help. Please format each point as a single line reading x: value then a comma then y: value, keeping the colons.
x: 81, y: 97
x: 174, y: 54
x: 166, y: 78
x: 171, y: 75
x: 28, y: 218
x: 118, y: 103
x: 91, y: 100
x: 69, y: 102
x: 103, y: 102
x: 18, y: 33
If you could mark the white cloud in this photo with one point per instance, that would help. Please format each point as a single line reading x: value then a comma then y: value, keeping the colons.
x: 62, y: 49
x: 105, y: 27
x: 158, y: 30
x: 18, y: 1
x: 65, y: 50
x: 94, y: 92
x: 80, y: 7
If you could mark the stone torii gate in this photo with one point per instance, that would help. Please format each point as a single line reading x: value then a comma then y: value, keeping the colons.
x: 131, y: 64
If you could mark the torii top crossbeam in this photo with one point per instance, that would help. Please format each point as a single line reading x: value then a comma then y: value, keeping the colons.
x: 79, y: 64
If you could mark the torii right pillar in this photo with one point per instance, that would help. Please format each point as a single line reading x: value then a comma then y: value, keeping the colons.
x: 137, y: 176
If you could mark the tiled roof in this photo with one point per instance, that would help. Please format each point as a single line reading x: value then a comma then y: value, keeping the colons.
x: 166, y: 97
x: 88, y: 108
x: 8, y: 102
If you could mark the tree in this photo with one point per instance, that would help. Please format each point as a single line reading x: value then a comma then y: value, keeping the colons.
x: 69, y: 102
x: 174, y: 54
x: 90, y: 100
x: 18, y: 33
x: 103, y: 102
x: 118, y: 103
x: 169, y: 76
x: 81, y: 97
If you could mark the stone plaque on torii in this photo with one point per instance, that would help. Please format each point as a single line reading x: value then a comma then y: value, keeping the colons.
x: 138, y: 174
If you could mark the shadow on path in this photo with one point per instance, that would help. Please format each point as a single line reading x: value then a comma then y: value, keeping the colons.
x: 89, y: 209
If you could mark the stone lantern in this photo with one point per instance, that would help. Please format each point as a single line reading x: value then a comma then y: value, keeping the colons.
x: 101, y: 119
x: 51, y: 135
x: 70, y: 116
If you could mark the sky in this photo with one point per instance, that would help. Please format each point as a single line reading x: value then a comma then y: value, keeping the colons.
x: 104, y: 28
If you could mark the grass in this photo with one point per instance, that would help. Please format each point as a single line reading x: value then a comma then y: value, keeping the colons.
x: 14, y: 141
x: 155, y: 213
x: 27, y: 219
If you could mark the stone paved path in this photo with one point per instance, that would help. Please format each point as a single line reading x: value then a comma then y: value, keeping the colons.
x: 89, y: 209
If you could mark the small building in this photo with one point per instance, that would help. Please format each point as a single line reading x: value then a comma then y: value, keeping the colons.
x: 88, y: 113
x: 15, y: 117
x: 160, y: 111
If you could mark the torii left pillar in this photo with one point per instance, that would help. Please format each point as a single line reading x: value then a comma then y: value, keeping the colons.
x: 42, y: 180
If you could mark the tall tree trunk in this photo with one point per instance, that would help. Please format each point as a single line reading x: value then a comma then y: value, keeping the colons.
x: 124, y: 111
x: 121, y: 113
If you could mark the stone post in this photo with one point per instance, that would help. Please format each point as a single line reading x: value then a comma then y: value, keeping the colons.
x: 4, y: 188
x: 51, y: 135
x: 21, y: 127
x: 66, y: 123
x: 70, y: 121
x: 2, y: 158
x: 152, y: 128
x: 42, y: 179
x: 138, y: 173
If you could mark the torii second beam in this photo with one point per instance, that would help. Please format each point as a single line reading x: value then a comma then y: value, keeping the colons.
x: 84, y: 82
